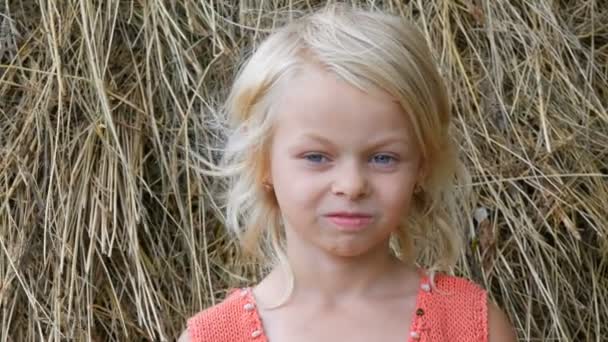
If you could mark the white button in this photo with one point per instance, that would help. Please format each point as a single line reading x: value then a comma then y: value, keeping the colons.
x: 248, y: 306
x: 426, y: 287
x: 415, y: 335
x: 256, y: 333
x: 243, y: 292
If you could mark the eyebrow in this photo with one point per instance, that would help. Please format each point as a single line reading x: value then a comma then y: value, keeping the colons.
x: 376, y: 144
x: 319, y: 138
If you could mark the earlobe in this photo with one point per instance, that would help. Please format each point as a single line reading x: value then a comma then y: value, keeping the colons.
x: 422, y: 172
x: 420, y: 177
x: 267, y: 185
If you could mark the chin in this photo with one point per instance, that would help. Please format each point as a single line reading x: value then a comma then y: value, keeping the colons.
x: 347, y: 251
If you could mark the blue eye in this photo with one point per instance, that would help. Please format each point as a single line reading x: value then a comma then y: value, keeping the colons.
x: 384, y: 158
x: 314, y: 157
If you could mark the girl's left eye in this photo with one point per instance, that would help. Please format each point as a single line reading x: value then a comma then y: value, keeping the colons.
x: 384, y: 159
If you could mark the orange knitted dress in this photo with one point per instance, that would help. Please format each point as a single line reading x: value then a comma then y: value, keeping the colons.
x: 455, y: 310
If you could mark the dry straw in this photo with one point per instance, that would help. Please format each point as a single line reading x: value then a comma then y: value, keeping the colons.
x: 109, y: 231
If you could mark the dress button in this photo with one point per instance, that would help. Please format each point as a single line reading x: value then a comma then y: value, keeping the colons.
x: 248, y: 306
x: 256, y: 333
x: 243, y: 292
x: 419, y: 312
x: 426, y: 287
x: 415, y: 335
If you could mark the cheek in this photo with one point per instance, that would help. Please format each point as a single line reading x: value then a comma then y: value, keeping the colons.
x: 397, y: 195
x: 293, y: 187
x: 302, y: 191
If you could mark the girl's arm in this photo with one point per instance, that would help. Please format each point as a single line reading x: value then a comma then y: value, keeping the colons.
x: 499, y: 326
x: 184, y: 337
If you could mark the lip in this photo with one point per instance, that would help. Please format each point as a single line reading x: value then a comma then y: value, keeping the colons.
x: 350, y: 222
x: 348, y: 214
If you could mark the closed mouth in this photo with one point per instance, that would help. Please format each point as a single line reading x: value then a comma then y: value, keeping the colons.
x: 349, y: 215
x: 350, y: 223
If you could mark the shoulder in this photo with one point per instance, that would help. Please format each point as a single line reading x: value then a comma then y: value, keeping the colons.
x: 461, y: 296
x: 457, y: 309
x: 184, y: 337
x: 221, y: 322
x: 467, y: 311
x: 453, y: 290
x: 499, y: 325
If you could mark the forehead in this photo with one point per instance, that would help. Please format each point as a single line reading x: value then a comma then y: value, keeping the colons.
x: 318, y: 102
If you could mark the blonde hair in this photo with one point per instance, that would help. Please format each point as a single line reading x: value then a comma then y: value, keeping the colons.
x: 367, y: 49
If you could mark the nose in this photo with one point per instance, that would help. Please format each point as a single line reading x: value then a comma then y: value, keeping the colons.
x: 350, y: 181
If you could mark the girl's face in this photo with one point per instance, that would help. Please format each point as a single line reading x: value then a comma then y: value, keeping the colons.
x: 338, y: 149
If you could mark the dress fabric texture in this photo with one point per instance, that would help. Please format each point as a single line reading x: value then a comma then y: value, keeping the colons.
x: 454, y: 310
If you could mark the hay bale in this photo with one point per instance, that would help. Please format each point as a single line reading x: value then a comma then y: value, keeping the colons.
x: 108, y: 231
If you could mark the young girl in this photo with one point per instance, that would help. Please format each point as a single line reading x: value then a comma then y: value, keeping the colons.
x: 342, y: 174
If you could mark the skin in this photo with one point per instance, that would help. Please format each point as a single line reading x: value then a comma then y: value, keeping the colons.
x: 337, y: 148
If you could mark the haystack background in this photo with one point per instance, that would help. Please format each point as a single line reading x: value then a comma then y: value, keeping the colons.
x: 109, y: 232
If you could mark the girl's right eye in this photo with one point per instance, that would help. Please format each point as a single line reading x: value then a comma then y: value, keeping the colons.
x: 314, y: 157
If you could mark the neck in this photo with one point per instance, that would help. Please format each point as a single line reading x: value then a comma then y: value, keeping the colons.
x: 330, y: 277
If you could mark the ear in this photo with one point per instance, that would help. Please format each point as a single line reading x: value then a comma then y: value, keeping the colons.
x: 267, y: 176
x: 423, y: 171
x: 265, y: 173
